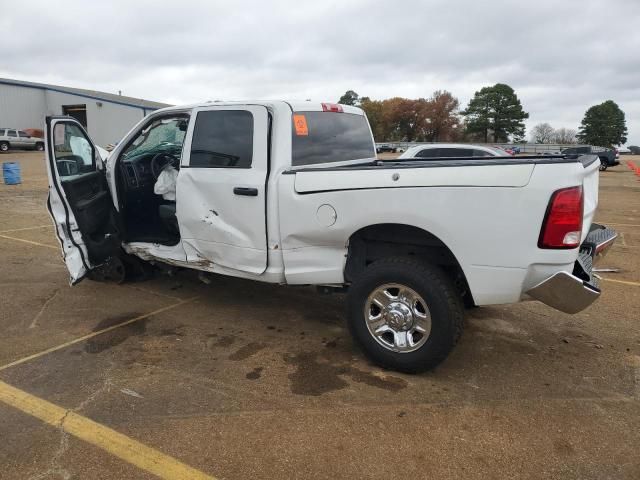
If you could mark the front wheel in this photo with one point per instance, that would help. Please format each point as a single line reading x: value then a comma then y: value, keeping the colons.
x: 406, y: 315
x: 4, y: 147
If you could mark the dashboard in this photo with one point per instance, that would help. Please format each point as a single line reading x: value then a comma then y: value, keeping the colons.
x: 136, y: 172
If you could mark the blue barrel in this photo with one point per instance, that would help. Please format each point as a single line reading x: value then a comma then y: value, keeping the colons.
x: 11, y: 173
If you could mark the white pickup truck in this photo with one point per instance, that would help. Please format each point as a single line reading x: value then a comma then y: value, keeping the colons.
x: 292, y: 193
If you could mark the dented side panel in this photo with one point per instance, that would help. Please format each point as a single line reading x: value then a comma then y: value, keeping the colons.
x: 217, y: 223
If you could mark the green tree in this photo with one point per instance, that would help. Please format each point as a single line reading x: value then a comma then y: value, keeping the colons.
x: 603, y: 125
x: 350, y: 98
x: 498, y: 110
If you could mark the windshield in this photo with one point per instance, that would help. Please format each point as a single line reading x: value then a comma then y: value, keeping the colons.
x: 162, y: 135
x: 323, y: 137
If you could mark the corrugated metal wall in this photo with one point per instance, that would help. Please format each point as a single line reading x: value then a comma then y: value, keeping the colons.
x: 23, y: 107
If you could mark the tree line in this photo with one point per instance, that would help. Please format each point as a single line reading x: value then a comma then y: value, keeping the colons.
x: 494, y: 114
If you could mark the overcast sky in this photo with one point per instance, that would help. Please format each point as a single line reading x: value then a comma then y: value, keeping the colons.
x: 560, y: 56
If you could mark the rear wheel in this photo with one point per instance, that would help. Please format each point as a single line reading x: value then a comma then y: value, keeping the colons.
x: 4, y: 146
x: 603, y: 164
x: 40, y: 147
x: 405, y: 315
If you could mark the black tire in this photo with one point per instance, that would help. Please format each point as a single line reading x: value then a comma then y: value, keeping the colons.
x: 39, y: 147
x: 441, y: 298
x: 4, y: 147
x: 603, y: 164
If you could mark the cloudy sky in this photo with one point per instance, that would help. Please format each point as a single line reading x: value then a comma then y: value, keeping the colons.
x: 561, y: 56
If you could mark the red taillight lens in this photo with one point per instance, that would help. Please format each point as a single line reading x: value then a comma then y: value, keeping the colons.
x: 331, y: 107
x: 562, y: 226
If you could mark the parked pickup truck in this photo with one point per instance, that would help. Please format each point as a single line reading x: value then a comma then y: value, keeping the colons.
x: 608, y: 156
x: 291, y: 193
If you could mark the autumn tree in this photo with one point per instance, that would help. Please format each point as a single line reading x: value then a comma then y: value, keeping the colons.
x: 442, y: 117
x: 603, y: 125
x: 375, y: 114
x: 349, y: 98
x: 542, y: 133
x: 496, y: 110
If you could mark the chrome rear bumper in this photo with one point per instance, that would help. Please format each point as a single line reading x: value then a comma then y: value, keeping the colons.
x: 573, y: 292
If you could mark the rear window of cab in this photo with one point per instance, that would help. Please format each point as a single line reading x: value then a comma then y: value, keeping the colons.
x: 329, y: 137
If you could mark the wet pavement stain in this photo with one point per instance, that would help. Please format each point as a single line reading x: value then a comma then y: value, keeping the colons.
x: 247, y: 351
x: 313, y: 378
x: 255, y: 373
x: 317, y: 374
x: 114, y: 337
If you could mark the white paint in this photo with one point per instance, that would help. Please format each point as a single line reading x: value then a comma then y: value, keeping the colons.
x: 475, y: 176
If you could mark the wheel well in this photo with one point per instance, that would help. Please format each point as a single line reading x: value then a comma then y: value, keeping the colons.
x: 391, y: 240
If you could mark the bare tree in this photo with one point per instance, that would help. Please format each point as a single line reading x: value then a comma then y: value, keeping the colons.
x: 564, y: 136
x: 542, y: 133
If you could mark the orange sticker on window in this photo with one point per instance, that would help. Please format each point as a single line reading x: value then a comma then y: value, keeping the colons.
x: 300, y: 124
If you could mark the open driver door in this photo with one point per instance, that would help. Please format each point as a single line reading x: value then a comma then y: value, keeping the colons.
x: 79, y: 201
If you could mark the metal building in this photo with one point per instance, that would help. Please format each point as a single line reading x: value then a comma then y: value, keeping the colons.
x: 106, y: 116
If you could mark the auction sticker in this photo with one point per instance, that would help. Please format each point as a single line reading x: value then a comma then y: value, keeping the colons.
x: 300, y: 124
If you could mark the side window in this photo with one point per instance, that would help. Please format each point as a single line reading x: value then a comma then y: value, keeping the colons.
x: 456, y: 152
x: 429, y: 153
x: 11, y: 133
x: 23, y: 134
x: 74, y: 154
x: 481, y: 153
x: 222, y: 138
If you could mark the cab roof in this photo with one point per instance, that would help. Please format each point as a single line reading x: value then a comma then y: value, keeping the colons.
x: 293, y: 105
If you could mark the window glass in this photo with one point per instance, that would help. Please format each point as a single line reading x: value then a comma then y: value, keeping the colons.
x: 162, y: 135
x: 429, y: 153
x: 482, y: 153
x: 456, y: 152
x: 73, y: 153
x: 11, y: 133
x: 324, y: 137
x: 23, y: 134
x: 222, y: 138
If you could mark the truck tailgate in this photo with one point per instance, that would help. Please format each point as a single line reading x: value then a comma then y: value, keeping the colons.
x: 590, y: 184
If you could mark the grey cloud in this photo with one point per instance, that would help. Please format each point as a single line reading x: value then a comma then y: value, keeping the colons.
x: 561, y: 57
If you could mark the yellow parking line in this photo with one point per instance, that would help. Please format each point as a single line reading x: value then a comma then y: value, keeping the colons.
x: 29, y: 242
x: 93, y: 334
x: 25, y: 228
x: 103, y: 437
x: 624, y: 282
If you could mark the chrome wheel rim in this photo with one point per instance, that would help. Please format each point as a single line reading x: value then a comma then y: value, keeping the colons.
x: 397, y: 317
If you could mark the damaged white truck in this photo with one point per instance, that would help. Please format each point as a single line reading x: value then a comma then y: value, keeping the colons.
x: 292, y: 193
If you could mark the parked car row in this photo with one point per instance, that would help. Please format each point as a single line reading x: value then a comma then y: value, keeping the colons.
x: 14, y: 139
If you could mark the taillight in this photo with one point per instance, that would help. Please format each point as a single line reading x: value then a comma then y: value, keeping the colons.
x: 562, y: 225
x: 332, y: 107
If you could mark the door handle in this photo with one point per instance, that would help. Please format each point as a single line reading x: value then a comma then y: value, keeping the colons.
x: 246, y: 191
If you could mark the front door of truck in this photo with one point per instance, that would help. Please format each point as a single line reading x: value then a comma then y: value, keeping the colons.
x: 221, y: 189
x: 79, y: 201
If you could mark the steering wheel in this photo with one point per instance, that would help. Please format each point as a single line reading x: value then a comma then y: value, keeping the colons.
x: 161, y: 160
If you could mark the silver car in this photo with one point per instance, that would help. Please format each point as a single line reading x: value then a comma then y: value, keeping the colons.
x: 11, y: 138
